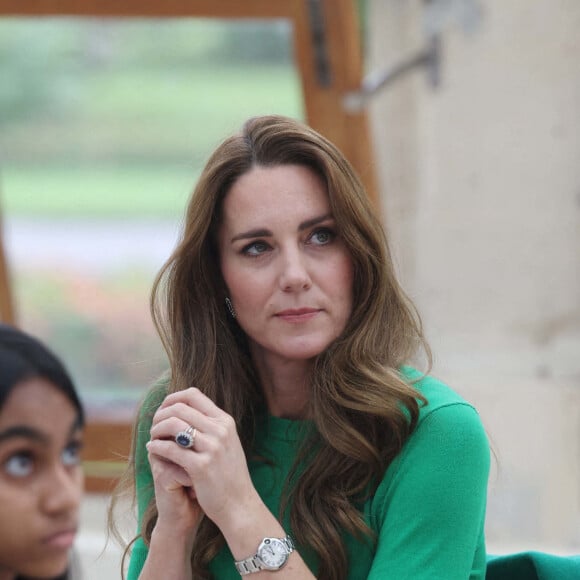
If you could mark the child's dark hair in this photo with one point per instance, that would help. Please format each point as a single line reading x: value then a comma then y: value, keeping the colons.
x: 24, y: 357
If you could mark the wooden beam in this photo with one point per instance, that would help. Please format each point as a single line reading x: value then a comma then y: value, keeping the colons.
x: 149, y: 8
x: 7, y: 313
x: 324, y: 102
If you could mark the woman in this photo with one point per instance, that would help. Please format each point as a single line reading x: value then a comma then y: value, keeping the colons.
x: 290, y: 439
x: 41, y: 479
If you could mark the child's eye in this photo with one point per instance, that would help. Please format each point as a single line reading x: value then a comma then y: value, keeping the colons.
x: 19, y: 465
x: 71, y: 454
x: 322, y: 236
x: 255, y: 248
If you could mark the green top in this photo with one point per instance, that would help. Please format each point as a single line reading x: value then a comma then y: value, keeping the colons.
x: 428, y: 512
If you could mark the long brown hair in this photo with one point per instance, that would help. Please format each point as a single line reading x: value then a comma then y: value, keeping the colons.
x: 361, y: 407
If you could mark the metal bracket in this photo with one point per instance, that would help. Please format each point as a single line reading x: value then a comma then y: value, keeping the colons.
x: 429, y: 58
x: 438, y: 15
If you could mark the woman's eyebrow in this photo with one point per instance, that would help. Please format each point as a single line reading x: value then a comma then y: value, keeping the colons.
x: 22, y: 431
x: 313, y: 221
x: 260, y: 233
x: 264, y: 233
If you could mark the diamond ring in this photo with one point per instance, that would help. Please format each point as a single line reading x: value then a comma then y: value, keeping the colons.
x: 186, y: 438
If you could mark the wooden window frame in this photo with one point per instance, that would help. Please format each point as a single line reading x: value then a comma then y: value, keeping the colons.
x: 328, y: 56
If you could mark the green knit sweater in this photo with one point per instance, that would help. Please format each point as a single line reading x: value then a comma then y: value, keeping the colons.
x: 428, y: 512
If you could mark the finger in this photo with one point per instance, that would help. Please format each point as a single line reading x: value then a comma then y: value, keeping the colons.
x: 162, y: 468
x: 195, y: 399
x: 169, y: 428
x: 191, y: 463
x: 185, y: 413
x: 178, y: 431
x: 202, y: 442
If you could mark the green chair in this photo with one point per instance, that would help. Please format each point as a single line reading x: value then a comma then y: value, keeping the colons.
x: 533, y: 566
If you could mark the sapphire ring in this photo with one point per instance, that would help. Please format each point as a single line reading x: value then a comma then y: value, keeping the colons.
x: 186, y: 438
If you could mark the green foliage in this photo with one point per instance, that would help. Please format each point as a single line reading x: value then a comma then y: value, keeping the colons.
x: 35, y: 68
x: 47, y: 66
x: 255, y: 42
x: 109, y: 191
x: 152, y: 115
x: 117, y: 117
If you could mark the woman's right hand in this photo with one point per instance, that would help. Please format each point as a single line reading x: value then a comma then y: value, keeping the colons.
x: 178, y: 516
x: 177, y: 506
x: 213, y: 470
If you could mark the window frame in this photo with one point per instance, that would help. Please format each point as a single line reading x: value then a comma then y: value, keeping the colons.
x: 326, y: 33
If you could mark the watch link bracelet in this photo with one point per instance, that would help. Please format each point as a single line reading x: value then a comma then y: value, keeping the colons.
x: 272, y: 554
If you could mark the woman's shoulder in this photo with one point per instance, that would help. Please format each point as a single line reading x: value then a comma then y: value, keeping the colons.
x: 446, y: 419
x: 449, y: 438
x: 438, y: 395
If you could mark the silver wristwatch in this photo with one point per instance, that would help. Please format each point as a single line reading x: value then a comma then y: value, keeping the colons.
x: 272, y: 554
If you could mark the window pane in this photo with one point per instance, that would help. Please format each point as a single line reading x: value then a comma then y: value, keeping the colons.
x: 104, y: 127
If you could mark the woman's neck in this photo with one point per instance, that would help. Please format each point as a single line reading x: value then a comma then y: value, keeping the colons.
x: 286, y: 385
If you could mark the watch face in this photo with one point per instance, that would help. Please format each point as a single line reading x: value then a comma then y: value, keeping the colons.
x: 273, y: 553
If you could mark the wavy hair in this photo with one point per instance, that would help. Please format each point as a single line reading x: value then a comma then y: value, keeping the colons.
x: 361, y: 406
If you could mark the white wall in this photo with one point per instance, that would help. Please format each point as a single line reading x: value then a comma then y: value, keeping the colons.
x: 481, y: 190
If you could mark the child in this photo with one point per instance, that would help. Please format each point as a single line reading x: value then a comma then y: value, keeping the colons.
x: 41, y: 479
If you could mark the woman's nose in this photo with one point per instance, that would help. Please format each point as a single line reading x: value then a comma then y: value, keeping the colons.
x: 63, y: 490
x: 294, y: 273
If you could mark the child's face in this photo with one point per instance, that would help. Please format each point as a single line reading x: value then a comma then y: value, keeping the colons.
x: 41, y: 480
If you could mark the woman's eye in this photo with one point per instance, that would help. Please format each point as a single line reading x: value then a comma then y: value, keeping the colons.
x: 19, y: 465
x: 255, y: 248
x: 322, y: 236
x: 71, y: 454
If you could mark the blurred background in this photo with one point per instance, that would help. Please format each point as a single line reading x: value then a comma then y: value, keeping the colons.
x: 472, y: 117
x: 104, y: 128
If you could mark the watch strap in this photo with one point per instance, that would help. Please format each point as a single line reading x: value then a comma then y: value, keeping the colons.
x: 248, y: 565
x: 254, y: 564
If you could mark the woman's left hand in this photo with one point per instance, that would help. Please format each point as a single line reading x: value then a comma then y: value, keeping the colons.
x: 215, y: 466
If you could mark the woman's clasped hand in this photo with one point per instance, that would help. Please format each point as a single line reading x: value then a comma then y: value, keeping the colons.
x: 209, y: 477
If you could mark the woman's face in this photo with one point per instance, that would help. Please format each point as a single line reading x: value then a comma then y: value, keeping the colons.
x: 41, y: 480
x: 288, y: 273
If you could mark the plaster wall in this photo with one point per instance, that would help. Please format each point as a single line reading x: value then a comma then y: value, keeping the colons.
x: 480, y: 184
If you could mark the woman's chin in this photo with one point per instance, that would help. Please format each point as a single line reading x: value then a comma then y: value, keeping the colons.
x: 297, y: 349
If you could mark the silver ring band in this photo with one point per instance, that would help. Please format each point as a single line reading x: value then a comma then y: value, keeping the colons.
x: 186, y: 438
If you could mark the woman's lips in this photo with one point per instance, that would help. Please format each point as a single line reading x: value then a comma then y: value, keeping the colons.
x: 297, y: 314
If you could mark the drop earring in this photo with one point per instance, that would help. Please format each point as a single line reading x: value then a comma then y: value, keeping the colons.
x: 230, y: 308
